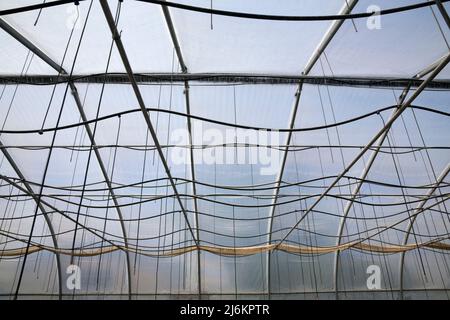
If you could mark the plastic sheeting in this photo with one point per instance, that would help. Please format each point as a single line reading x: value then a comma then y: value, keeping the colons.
x: 217, y: 236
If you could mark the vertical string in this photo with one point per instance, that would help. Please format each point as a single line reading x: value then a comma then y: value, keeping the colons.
x: 48, y: 159
x: 326, y: 124
x: 211, y: 16
x: 405, y: 127
x: 108, y: 200
x: 404, y: 199
x: 39, y: 14
x: 22, y: 73
x: 140, y: 203
x: 297, y: 172
x: 353, y: 21
x: 91, y: 148
x: 234, y: 221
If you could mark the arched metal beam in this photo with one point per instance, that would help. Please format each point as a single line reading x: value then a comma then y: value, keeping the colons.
x: 184, y: 70
x: 369, y: 165
x: 107, y: 180
x: 443, y: 12
x: 33, y: 48
x: 375, y: 138
x: 330, y: 33
x: 43, y: 210
x: 354, y: 194
x: 366, y: 170
x: 418, y: 210
x: 126, y: 63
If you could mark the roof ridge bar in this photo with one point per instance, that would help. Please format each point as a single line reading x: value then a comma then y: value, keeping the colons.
x: 384, y: 82
x: 205, y: 79
x: 326, y: 39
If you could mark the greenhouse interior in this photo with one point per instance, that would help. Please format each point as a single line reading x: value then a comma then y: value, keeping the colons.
x: 212, y: 149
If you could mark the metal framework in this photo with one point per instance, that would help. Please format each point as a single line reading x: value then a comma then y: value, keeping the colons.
x: 386, y: 127
x: 419, y: 209
x: 432, y: 190
x: 184, y: 78
x: 184, y: 69
x: 126, y: 63
x: 33, y: 48
x: 48, y: 221
x: 366, y: 170
x: 332, y: 30
x: 443, y: 12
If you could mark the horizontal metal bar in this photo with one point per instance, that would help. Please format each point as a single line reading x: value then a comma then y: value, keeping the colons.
x: 224, y: 145
x: 252, y: 293
x: 226, y: 78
